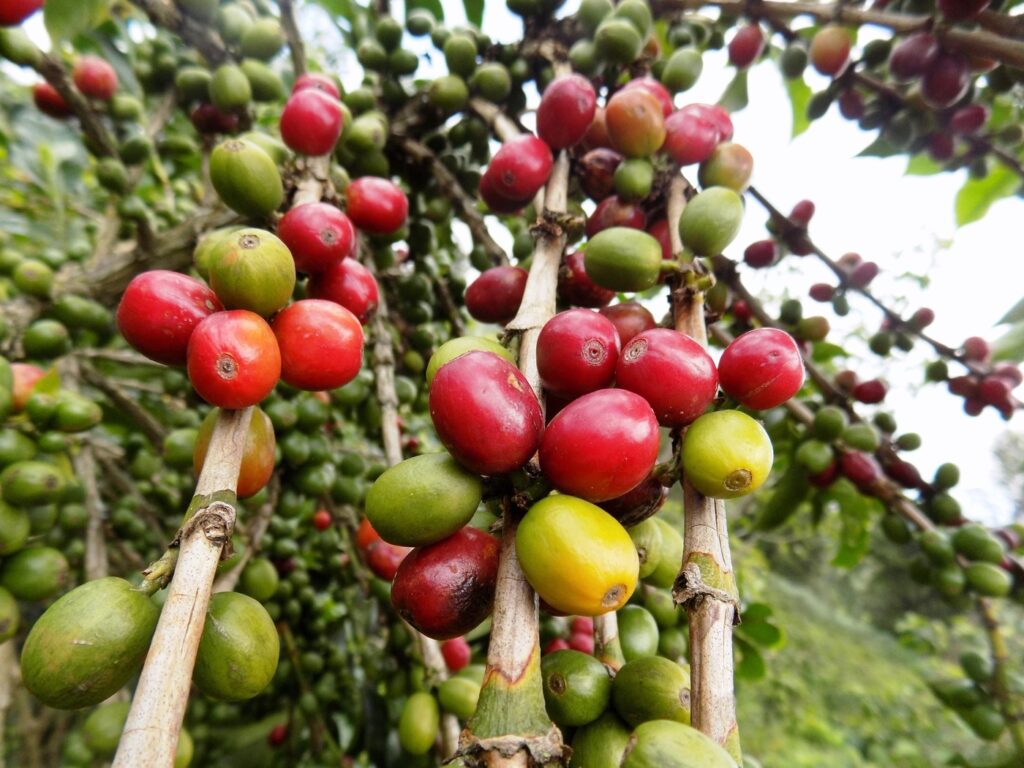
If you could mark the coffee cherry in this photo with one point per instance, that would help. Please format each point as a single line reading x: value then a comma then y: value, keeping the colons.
x: 576, y: 288
x: 870, y: 392
x: 321, y: 344
x: 311, y: 122
x: 49, y: 101
x: 861, y: 469
x: 318, y: 235
x: 159, y: 311
x: 577, y: 351
x: 762, y: 254
x: 13, y: 12
x: 596, y: 172
x: 456, y: 652
x: 672, y: 372
x: 566, y: 111
x: 969, y: 119
x: 615, y: 212
x: 913, y: 56
x: 636, y: 124
x: 977, y: 349
x: 726, y: 454
x: 655, y: 89
x: 349, y: 284
x: 322, y: 520
x: 746, y: 46
x: 233, y: 359
x: 762, y: 368
x: 207, y: 119
x: 822, y: 292
x: 690, y: 137
x: 376, y: 205
x: 601, y: 445
x: 495, y: 296
x: 830, y: 50
x: 851, y: 105
x: 946, y: 80
x: 319, y: 81
x: 961, y: 10
x: 95, y: 78
x: 863, y: 274
x: 729, y: 165
x: 520, y: 167
x: 629, y: 319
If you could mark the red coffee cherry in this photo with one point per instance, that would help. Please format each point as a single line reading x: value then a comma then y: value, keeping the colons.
x: 656, y: 89
x: 384, y: 559
x: 319, y: 235
x: 913, y: 56
x: 822, y: 292
x: 601, y: 445
x: 576, y: 352
x: 946, y: 81
x: 629, y: 319
x: 566, y: 111
x: 456, y: 652
x: 95, y: 77
x: 745, y: 46
x: 863, y: 274
x: 596, y: 172
x: 830, y: 49
x: 613, y: 212
x: 485, y: 413
x: 575, y: 286
x: 969, y: 119
x: 671, y: 371
x: 760, y: 254
x: 977, y: 349
x: 497, y: 202
x: 207, y: 119
x: 318, y: 81
x: 322, y: 520
x: 495, y: 296
x: 636, y: 124
x: 761, y: 368
x: 862, y: 470
x: 349, y: 284
x: 13, y: 12
x: 961, y: 10
x: 233, y: 359
x: 376, y: 205
x: 160, y: 309
x: 311, y: 122
x: 520, y: 167
x: 870, y: 392
x: 321, y: 344
x: 49, y: 101
x: 690, y: 137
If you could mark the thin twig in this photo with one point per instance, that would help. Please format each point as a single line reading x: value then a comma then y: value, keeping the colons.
x: 291, y: 34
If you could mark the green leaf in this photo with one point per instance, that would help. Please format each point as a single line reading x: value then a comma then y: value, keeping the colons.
x: 474, y: 11
x: 823, y: 351
x: 762, y: 633
x: 1010, y: 346
x: 855, y: 512
x: 434, y: 6
x: 757, y: 612
x: 1015, y: 315
x: 880, y: 148
x: 922, y: 165
x: 751, y: 665
x: 66, y: 18
x: 788, y: 493
x: 799, y: 96
x: 977, y: 195
x: 735, y: 96
x: 342, y: 8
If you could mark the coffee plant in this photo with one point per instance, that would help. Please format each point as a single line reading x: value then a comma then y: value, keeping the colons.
x: 344, y: 423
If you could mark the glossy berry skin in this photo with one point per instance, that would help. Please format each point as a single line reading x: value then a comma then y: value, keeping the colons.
x: 637, y: 505
x: 494, y: 297
x: 520, y: 167
x: 671, y: 371
x: 566, y: 111
x: 636, y: 125
x: 160, y: 309
x: 349, y: 284
x: 830, y: 50
x: 49, y: 101
x: 24, y: 377
x: 321, y: 344
x: 13, y: 12
x: 95, y: 78
x: 576, y: 352
x: 762, y: 368
x: 456, y: 652
x: 968, y: 119
x: 496, y: 201
x: 384, y: 559
x: 629, y: 319
x: 656, y: 89
x: 322, y: 520
x: 485, y: 413
x: 716, y: 115
x: 745, y: 46
x: 311, y: 122
x: 614, y: 212
x: 233, y: 359
x: 861, y: 468
x: 446, y: 589
x: 946, y: 80
x: 207, y: 119
x: 760, y: 254
x: 318, y: 81
x: 870, y: 392
x: 319, y: 235
x: 690, y: 137
x: 376, y: 205
x: 601, y: 445
x: 913, y: 56
x: 575, y: 286
x: 596, y: 172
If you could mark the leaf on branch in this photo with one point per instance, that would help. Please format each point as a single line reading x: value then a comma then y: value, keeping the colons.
x: 1010, y: 346
x: 824, y: 351
x: 799, y: 97
x: 880, y: 148
x: 922, y: 165
x: 474, y: 11
x: 751, y: 664
x: 66, y: 18
x: 977, y: 195
x: 855, y: 513
x: 735, y: 96
x: 1014, y: 315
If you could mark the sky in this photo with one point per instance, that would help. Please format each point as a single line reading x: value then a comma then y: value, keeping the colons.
x: 866, y: 205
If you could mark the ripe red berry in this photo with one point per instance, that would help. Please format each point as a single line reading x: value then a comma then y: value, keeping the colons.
x: 575, y: 286
x: 629, y: 319
x: 802, y: 213
x: 904, y: 473
x: 761, y: 368
x: 13, y: 12
x: 311, y: 122
x: 384, y: 559
x: 863, y: 274
x: 566, y: 111
x: 822, y: 292
x: 322, y: 520
x: 207, y: 119
x: 613, y: 212
x: 376, y: 205
x: 968, y: 119
x: 977, y: 349
x: 851, y: 104
x: 1010, y: 372
x: 995, y: 391
x: 494, y: 297
x: 596, y: 172
x: 582, y: 642
x: 760, y: 254
x: 485, y: 413
x: 861, y: 468
x: 671, y: 371
x: 941, y: 146
x: 49, y: 101
x: 576, y: 352
x: 520, y: 167
x: 745, y: 46
x: 635, y: 121
x: 556, y: 644
x: 233, y: 359
x: 912, y: 57
x: 741, y: 311
x: 349, y: 284
x: 95, y: 77
x: 946, y: 81
x: 321, y: 344
x: 319, y: 235
x: 660, y: 232
x: 601, y: 445
x: 581, y: 625
x: 277, y: 736
x: 160, y: 309
x: 870, y: 392
x: 922, y: 318
x: 690, y: 137
x: 456, y: 652
x: 319, y: 81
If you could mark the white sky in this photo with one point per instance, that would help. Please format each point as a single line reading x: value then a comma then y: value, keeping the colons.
x: 865, y: 205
